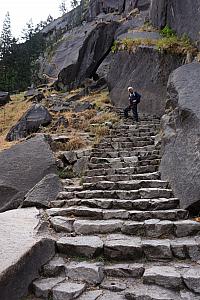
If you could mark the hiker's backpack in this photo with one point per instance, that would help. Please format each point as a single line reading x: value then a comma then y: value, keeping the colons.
x: 138, y: 97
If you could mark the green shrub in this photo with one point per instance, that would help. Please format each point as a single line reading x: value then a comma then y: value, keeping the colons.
x: 66, y: 174
x: 167, y: 32
x: 174, y: 44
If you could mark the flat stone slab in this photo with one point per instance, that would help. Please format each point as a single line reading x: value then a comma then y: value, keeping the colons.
x: 68, y: 290
x: 87, y: 272
x: 91, y: 295
x: 151, y: 292
x: 124, y: 270
x: 60, y: 223
x: 192, y: 279
x: 88, y: 246
x: 42, y: 287
x: 164, y: 276
x: 55, y: 267
x: 22, y: 252
x: 123, y: 247
x: 97, y: 226
x: 113, y: 284
x: 157, y: 249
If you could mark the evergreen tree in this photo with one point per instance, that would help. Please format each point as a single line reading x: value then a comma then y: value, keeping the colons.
x: 7, y: 71
x: 17, y: 60
x: 6, y: 36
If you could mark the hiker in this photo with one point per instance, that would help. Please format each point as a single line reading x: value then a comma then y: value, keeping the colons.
x: 134, y: 99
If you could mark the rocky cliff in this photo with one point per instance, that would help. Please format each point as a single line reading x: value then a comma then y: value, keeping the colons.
x: 147, y: 70
x: 180, y: 135
x: 182, y: 16
x: 95, y: 48
x: 97, y: 7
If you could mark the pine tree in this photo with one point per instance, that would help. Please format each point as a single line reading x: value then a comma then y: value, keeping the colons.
x: 6, y: 36
x: 7, y: 70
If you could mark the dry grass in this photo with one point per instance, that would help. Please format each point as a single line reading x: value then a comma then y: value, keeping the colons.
x: 4, y: 144
x: 130, y: 45
x: 76, y: 142
x: 176, y: 45
x: 173, y: 44
x: 148, y: 27
x: 99, y: 132
x: 79, y: 123
x: 198, y: 56
x: 105, y: 117
x: 9, y: 115
x: 99, y: 100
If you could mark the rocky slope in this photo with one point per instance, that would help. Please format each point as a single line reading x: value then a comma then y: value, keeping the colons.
x: 122, y: 235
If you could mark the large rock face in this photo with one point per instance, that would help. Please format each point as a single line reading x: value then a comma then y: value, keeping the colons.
x: 97, y: 7
x: 44, y: 192
x: 22, y: 167
x: 66, y: 51
x: 4, y: 98
x: 182, y: 16
x: 147, y: 70
x: 94, y: 49
x: 180, y: 163
x: 30, y: 122
x: 22, y: 252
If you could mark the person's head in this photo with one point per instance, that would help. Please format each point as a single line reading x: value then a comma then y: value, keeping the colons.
x: 130, y: 89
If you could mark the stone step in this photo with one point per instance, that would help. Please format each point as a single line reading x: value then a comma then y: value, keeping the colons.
x: 140, y: 152
x: 161, y: 276
x: 91, y: 273
x: 134, y: 215
x: 125, y: 161
x: 122, y: 154
x: 147, y: 193
x: 116, y: 135
x: 174, y: 277
x: 144, y: 129
x: 139, y: 125
x: 146, y: 292
x: 121, y: 171
x: 131, y: 149
x: 73, y: 188
x: 173, y: 214
x: 127, y: 248
x: 112, y: 141
x: 86, y: 246
x: 51, y: 288
x: 141, y: 204
x: 126, y: 185
x: 117, y: 178
x: 129, y: 162
x: 125, y: 145
x: 153, y: 228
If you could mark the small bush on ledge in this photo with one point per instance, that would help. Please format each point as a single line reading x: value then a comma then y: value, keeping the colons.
x: 169, y: 42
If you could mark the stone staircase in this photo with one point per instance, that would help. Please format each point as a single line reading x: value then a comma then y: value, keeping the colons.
x: 121, y: 234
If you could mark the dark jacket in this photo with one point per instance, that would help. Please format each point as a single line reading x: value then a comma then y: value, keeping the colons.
x: 134, y: 98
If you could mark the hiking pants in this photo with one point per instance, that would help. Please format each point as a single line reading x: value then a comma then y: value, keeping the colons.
x: 134, y: 110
